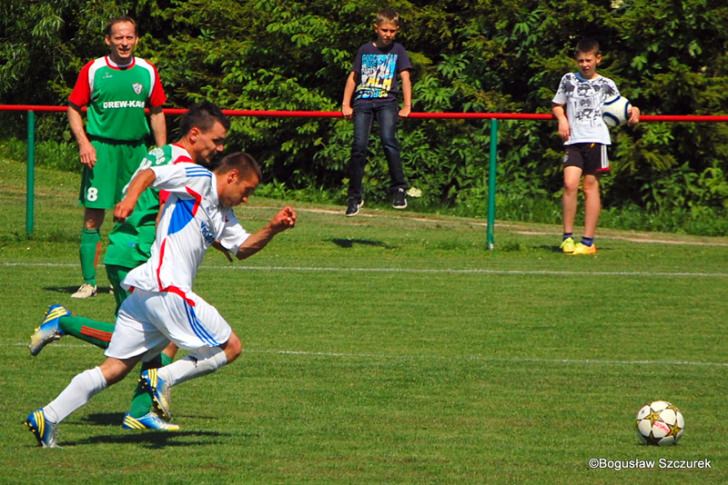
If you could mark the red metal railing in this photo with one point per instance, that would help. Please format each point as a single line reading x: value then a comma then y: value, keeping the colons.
x: 416, y: 115
x: 493, y: 117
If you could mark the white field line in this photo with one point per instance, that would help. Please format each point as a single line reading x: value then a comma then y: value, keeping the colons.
x: 507, y: 360
x: 456, y: 271
x: 472, y: 357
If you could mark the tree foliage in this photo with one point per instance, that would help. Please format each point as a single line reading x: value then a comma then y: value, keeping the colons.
x: 479, y: 55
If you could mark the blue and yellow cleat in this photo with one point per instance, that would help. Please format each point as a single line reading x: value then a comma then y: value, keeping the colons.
x: 159, y: 390
x: 148, y: 421
x: 43, y: 430
x: 49, y: 331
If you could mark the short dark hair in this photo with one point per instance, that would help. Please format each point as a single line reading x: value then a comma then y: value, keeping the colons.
x: 117, y: 20
x: 587, y: 44
x: 202, y: 115
x: 387, y: 15
x: 241, y: 161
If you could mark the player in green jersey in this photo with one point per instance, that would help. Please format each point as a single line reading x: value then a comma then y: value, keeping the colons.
x: 204, y: 129
x: 116, y: 88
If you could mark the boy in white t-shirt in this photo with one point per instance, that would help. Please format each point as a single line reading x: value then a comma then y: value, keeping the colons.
x: 577, y: 106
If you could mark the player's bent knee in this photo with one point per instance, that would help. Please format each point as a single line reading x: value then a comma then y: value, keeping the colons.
x: 115, y: 370
x: 232, y: 348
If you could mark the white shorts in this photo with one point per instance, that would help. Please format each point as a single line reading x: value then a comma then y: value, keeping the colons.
x: 148, y: 321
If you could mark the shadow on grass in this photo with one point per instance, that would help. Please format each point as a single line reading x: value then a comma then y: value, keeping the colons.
x: 158, y: 439
x: 61, y: 289
x: 148, y: 439
x: 104, y: 419
x: 348, y: 243
x: 72, y: 289
x: 115, y: 419
x: 549, y: 248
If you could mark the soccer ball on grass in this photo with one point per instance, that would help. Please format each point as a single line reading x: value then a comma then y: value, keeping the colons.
x: 659, y: 423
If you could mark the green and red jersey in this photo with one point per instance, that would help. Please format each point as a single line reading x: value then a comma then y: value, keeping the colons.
x: 130, y: 242
x: 116, y: 97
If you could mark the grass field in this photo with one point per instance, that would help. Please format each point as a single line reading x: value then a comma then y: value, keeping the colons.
x: 390, y: 347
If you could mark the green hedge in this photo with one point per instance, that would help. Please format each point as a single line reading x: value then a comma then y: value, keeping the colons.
x: 666, y: 57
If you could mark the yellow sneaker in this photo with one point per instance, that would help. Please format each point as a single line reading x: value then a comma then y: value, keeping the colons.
x: 584, y: 249
x: 567, y: 245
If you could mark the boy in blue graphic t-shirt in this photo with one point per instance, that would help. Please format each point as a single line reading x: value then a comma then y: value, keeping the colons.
x: 373, y: 86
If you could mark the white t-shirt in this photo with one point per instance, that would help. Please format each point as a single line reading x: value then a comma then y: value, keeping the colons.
x: 583, y: 100
x: 191, y: 221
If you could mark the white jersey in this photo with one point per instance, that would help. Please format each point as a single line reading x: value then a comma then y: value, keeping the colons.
x: 583, y: 99
x: 191, y: 221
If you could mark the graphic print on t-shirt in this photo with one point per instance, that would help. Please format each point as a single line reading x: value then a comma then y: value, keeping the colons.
x: 377, y: 75
x: 587, y: 96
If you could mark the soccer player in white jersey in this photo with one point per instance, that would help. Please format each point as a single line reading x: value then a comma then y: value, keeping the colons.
x: 162, y: 306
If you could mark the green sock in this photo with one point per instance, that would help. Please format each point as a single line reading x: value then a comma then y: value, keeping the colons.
x: 90, y: 239
x: 91, y: 331
x: 141, y: 402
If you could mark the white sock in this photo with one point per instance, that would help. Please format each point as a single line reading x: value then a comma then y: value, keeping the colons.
x: 200, y: 362
x: 78, y: 392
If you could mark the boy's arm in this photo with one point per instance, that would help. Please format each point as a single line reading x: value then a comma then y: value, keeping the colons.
x: 634, y: 116
x: 406, y: 94
x: 284, y: 219
x: 560, y: 114
x: 346, y: 108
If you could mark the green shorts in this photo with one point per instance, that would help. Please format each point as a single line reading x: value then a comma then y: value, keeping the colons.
x: 116, y: 275
x: 102, y: 186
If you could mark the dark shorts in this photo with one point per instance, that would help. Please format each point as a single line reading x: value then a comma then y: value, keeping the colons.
x: 591, y: 158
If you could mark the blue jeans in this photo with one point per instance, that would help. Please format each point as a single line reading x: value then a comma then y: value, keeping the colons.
x: 386, y: 114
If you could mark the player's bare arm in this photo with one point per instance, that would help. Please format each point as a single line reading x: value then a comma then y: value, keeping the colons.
x: 284, y: 219
x: 158, y: 123
x: 139, y: 184
x: 560, y: 114
x: 86, y: 151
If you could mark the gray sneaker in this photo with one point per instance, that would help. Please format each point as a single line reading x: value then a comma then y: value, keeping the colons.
x: 353, y: 208
x: 85, y: 291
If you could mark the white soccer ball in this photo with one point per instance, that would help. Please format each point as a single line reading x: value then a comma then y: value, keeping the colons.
x: 615, y: 111
x: 659, y: 423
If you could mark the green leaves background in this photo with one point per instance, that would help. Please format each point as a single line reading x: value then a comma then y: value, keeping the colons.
x: 666, y: 57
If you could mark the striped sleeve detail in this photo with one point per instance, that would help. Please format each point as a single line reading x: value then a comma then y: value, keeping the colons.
x: 197, y: 172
